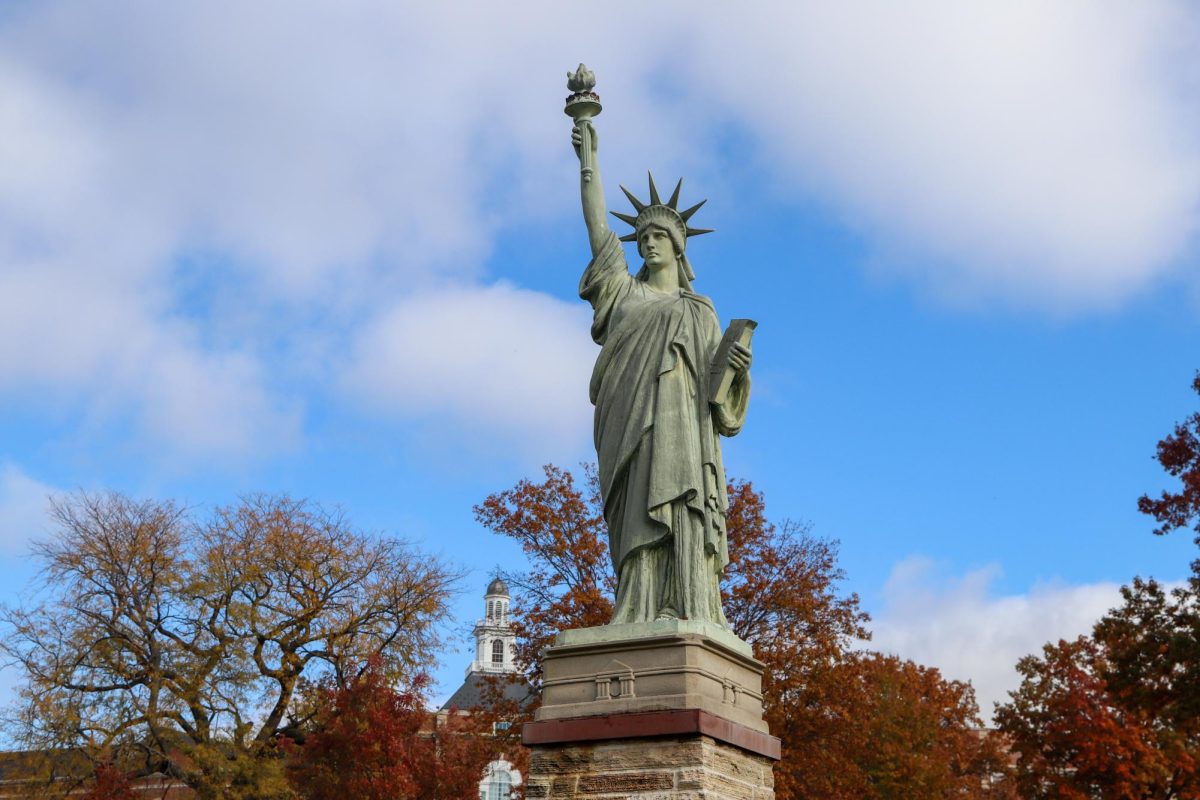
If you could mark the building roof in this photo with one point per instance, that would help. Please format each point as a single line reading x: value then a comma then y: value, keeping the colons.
x: 497, y: 586
x: 33, y: 773
x: 31, y: 765
x: 480, y: 690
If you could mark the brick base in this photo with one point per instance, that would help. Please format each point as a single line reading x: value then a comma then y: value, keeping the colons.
x: 694, y: 767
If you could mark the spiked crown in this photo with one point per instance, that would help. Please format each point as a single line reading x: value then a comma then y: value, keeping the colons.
x: 666, y: 215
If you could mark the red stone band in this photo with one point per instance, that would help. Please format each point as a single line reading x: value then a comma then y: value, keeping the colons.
x: 650, y: 723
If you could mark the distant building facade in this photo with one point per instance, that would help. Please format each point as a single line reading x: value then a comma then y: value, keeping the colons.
x: 495, y: 642
x: 495, y: 651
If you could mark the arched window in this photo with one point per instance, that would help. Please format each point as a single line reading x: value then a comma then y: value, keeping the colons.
x: 490, y: 611
x: 498, y: 781
x: 500, y: 787
x: 498, y: 652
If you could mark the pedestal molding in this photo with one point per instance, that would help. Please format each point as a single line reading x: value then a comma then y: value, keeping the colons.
x: 650, y: 724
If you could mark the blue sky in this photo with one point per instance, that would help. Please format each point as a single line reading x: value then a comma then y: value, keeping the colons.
x: 334, y: 252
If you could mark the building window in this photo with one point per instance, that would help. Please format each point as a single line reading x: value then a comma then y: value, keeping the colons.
x: 490, y: 612
x: 499, y: 787
x: 498, y: 781
x: 498, y: 652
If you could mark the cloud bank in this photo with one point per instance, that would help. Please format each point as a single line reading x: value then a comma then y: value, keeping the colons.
x: 205, y: 205
x: 24, y: 503
x: 960, y: 626
x: 499, y: 361
x: 1037, y: 153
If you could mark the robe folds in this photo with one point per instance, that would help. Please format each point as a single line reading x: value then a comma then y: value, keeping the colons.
x: 661, y: 476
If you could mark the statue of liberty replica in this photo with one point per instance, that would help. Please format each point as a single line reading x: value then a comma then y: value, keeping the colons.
x: 665, y: 700
x: 664, y: 390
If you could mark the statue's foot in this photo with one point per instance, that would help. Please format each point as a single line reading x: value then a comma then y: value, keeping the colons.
x: 667, y: 613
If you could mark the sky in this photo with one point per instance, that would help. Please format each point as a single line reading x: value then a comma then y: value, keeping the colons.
x: 333, y: 250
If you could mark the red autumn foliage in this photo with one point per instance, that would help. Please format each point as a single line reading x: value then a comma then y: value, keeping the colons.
x: 1114, y: 714
x: 843, y: 716
x: 1117, y: 714
x: 110, y: 784
x: 1179, y: 455
x: 372, y: 742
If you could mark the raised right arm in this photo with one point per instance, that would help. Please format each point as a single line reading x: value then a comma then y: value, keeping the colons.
x: 595, y: 211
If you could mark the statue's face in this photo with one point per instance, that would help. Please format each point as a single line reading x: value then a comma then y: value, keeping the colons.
x: 656, y: 247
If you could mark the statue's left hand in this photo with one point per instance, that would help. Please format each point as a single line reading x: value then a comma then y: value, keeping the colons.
x: 740, y: 358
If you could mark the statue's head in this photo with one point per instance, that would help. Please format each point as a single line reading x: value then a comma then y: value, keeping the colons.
x: 661, y: 241
x: 657, y: 218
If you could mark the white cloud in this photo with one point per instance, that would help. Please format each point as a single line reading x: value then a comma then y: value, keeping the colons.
x: 23, y: 506
x: 504, y: 363
x: 1045, y: 153
x: 322, y: 165
x: 959, y: 626
x: 318, y: 161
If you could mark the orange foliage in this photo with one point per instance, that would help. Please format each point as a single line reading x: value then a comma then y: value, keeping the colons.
x: 570, y: 580
x: 375, y: 743
x: 1117, y: 714
x: 1114, y: 714
x: 882, y: 727
x: 847, y: 719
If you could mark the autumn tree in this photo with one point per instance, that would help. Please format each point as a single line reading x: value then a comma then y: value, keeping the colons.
x: 110, y: 784
x: 374, y: 742
x: 854, y: 724
x: 1179, y: 455
x: 889, y: 727
x: 1114, y: 714
x: 61, y: 774
x: 570, y: 581
x: 781, y: 595
x: 182, y: 641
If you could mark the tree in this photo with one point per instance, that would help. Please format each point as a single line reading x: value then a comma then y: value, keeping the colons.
x: 110, y: 784
x: 570, y: 580
x: 1114, y: 714
x: 1117, y: 714
x: 183, y: 642
x: 1179, y: 454
x: 373, y: 742
x: 894, y: 728
x: 781, y: 594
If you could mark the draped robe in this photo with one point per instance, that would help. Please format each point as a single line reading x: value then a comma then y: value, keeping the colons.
x: 661, y: 475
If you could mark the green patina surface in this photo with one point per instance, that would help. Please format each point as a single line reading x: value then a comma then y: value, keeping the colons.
x: 658, y: 419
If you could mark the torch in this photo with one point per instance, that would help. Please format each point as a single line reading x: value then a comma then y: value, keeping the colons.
x: 582, y: 105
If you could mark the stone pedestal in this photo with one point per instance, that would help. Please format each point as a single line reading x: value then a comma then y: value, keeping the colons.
x: 669, y: 709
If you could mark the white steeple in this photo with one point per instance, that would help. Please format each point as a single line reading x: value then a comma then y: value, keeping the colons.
x: 494, y: 637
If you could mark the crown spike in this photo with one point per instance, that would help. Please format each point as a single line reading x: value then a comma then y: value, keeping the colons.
x: 629, y: 237
x: 655, y: 200
x: 627, y: 218
x: 674, y: 201
x: 688, y: 214
x: 698, y: 231
x: 638, y: 205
